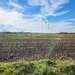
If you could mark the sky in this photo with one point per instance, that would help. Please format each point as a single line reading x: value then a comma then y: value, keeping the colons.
x: 41, y: 16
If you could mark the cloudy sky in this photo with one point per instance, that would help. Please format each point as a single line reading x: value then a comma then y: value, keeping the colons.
x: 45, y: 16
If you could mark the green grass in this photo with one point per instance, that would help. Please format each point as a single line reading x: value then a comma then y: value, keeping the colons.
x: 40, y: 67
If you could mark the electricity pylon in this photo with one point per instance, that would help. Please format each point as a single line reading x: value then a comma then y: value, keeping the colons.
x: 46, y: 23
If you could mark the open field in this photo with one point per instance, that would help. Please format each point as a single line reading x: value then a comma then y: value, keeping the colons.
x: 37, y: 54
x: 20, y: 46
x: 16, y: 47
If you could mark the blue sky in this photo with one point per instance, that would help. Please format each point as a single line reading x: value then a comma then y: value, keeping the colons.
x: 44, y: 16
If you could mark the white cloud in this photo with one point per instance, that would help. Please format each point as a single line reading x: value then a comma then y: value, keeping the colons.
x: 63, y: 26
x: 10, y: 17
x: 60, y: 13
x: 65, y: 23
x: 49, y: 7
x: 15, y: 5
x: 72, y: 19
x: 37, y: 2
x: 17, y: 21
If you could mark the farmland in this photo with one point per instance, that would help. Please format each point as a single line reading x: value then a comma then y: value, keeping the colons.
x: 33, y: 46
x: 37, y: 54
x: 14, y: 47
